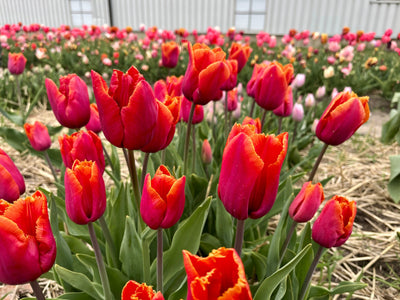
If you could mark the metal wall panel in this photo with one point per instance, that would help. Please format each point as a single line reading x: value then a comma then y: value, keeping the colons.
x: 281, y: 15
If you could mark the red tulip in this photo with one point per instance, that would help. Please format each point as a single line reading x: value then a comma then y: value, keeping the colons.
x: 285, y: 109
x: 198, y: 115
x: 240, y: 53
x: 231, y: 82
x: 335, y: 223
x: 160, y: 90
x: 249, y: 177
x: 255, y: 122
x: 82, y: 146
x: 206, y: 152
x: 28, y: 246
x: 169, y: 54
x: 232, y: 99
x: 12, y: 184
x: 206, y: 72
x: 174, y: 86
x: 168, y: 116
x: 250, y: 87
x: 85, y: 192
x: 306, y: 203
x: 128, y: 109
x: 163, y: 199
x: 38, y: 136
x: 94, y: 121
x: 343, y: 116
x: 220, y: 276
x: 135, y: 291
x: 16, y: 63
x: 70, y: 103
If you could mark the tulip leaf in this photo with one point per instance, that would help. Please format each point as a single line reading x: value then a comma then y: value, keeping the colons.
x: 80, y: 282
x: 76, y: 245
x: 14, y: 138
x: 209, y: 242
x: 348, y: 287
x: 187, y: 237
x: 391, y: 128
x: 130, y: 253
x: 223, y: 224
x: 260, y: 263
x: 394, y: 181
x: 269, y: 284
x: 115, y: 163
x: 317, y: 292
x: 68, y: 296
x: 14, y: 118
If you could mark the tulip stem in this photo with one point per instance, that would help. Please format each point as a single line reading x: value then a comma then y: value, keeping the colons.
x: 37, y: 290
x: 47, y: 158
x: 110, y: 241
x: 263, y: 120
x: 160, y: 260
x: 194, y: 149
x: 163, y: 152
x: 189, y: 127
x: 279, y: 125
x: 307, y: 280
x: 144, y: 168
x: 239, y: 236
x: 226, y: 115
x: 317, y: 162
x: 100, y: 263
x: 287, y: 240
x: 130, y: 159
x: 18, y: 88
x: 107, y: 156
x: 253, y: 104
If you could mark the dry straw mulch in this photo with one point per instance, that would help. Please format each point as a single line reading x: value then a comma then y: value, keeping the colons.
x: 361, y: 171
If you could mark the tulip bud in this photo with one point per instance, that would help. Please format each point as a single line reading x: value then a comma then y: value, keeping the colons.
x: 12, y: 184
x: 169, y: 54
x: 82, y: 146
x: 310, y: 100
x: 255, y: 122
x: 16, y: 63
x: 298, y: 112
x: 306, y: 203
x: 299, y: 80
x: 163, y: 199
x: 38, y: 136
x: 28, y: 246
x: 320, y: 92
x: 334, y: 225
x: 94, y: 121
x: 134, y: 290
x: 206, y: 152
x: 85, y: 192
x: 334, y: 93
x: 341, y: 119
x: 70, y: 103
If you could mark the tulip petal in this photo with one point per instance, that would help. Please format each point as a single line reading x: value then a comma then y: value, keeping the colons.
x: 175, y: 203
x: 240, y: 168
x: 9, y: 189
x: 109, y: 111
x: 152, y: 206
x: 210, y: 81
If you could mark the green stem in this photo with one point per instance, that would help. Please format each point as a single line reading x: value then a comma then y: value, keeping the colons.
x: 144, y: 169
x: 146, y: 260
x: 193, y: 149
x: 109, y: 241
x: 279, y: 125
x: 287, y: 240
x: 47, y: 158
x: 107, y: 156
x: 294, y: 132
x: 134, y: 178
x: 226, y: 115
x: 239, y: 236
x: 317, y: 162
x: 307, y: 280
x: 163, y: 152
x: 187, y: 140
x: 263, y: 120
x: 18, y: 90
x: 160, y: 260
x: 37, y: 290
x: 100, y: 263
x: 253, y: 104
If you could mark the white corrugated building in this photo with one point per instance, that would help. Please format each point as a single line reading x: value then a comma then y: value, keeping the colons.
x: 251, y: 16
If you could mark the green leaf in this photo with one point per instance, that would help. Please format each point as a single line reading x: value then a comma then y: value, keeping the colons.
x: 68, y: 296
x: 209, y: 242
x: 76, y: 245
x: 260, y: 263
x: 317, y: 292
x: 394, y: 181
x: 224, y: 224
x: 348, y: 287
x: 80, y: 282
x: 14, y: 138
x: 186, y: 237
x: 391, y: 128
x: 270, y: 283
x: 130, y: 254
x: 14, y: 118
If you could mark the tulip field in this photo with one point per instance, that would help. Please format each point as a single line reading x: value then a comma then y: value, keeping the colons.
x: 157, y: 164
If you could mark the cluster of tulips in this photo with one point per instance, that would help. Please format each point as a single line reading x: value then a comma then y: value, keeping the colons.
x: 139, y: 118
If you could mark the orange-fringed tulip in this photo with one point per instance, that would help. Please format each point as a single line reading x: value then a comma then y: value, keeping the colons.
x: 251, y: 85
x: 168, y: 117
x: 127, y: 109
x: 38, y: 136
x: 206, y: 72
x: 163, y: 199
x: 343, y: 116
x: 306, y: 203
x: 16, y: 63
x: 135, y: 291
x: 85, y: 192
x: 250, y: 169
x: 12, y: 184
x: 220, y: 276
x: 334, y: 225
x: 271, y: 84
x: 28, y: 247
x: 94, y: 121
x: 70, y: 103
x: 169, y: 54
x: 82, y: 146
x: 240, y: 53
